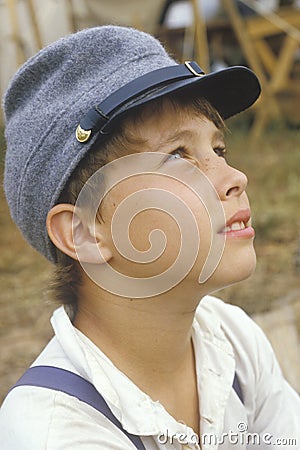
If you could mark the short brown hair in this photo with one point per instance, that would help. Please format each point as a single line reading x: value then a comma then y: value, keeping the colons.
x: 66, y: 277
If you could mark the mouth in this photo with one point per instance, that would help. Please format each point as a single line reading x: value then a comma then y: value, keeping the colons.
x: 239, y: 225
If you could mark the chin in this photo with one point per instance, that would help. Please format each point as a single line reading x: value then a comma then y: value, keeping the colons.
x: 233, y: 269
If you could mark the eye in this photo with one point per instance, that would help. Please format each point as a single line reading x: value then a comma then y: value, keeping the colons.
x: 177, y: 154
x: 220, y: 151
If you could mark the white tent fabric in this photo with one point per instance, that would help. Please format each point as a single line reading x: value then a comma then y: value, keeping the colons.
x: 18, y: 41
x: 143, y: 13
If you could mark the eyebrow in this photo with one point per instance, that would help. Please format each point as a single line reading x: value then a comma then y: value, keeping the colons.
x: 218, y: 135
x: 177, y: 136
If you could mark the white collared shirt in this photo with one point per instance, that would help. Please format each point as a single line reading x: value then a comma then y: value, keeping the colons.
x: 226, y: 341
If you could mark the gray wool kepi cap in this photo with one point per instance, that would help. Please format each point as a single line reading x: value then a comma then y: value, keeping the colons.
x: 62, y: 98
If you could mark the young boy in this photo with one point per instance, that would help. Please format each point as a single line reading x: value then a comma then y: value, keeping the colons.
x: 115, y: 171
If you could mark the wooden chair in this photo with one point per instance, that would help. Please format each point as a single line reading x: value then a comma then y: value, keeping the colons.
x: 273, y: 69
x: 187, y: 43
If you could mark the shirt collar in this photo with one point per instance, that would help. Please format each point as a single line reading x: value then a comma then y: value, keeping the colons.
x: 137, y: 412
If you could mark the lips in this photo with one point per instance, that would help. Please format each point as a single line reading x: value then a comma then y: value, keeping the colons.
x: 239, y: 225
x: 241, y: 217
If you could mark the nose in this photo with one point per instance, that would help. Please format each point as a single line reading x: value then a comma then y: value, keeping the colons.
x: 230, y: 183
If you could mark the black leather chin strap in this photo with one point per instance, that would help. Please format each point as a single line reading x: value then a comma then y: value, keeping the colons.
x: 98, y: 116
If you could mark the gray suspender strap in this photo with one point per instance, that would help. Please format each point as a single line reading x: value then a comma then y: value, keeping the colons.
x: 68, y: 382
x: 237, y: 387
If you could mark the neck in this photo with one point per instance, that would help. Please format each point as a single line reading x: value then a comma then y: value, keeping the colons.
x: 142, y: 337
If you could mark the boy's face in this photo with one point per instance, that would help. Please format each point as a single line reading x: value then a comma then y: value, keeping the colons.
x: 179, y: 183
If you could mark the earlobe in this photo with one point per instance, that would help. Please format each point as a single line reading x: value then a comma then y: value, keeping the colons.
x: 75, y: 238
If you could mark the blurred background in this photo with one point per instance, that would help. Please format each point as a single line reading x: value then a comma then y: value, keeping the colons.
x: 264, y: 142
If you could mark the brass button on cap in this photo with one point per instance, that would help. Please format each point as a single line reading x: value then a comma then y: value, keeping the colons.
x: 82, y: 135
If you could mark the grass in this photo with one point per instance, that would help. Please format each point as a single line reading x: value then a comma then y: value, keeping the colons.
x: 272, y: 166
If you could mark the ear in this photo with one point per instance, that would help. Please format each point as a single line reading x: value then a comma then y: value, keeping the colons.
x: 65, y: 228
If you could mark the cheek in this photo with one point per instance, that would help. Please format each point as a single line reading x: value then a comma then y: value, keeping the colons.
x: 158, y: 228
x: 156, y: 239
x: 154, y: 228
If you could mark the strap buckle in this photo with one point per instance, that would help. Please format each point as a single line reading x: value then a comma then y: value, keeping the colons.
x: 194, y: 68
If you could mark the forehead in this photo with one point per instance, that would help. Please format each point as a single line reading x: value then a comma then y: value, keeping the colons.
x: 170, y: 124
